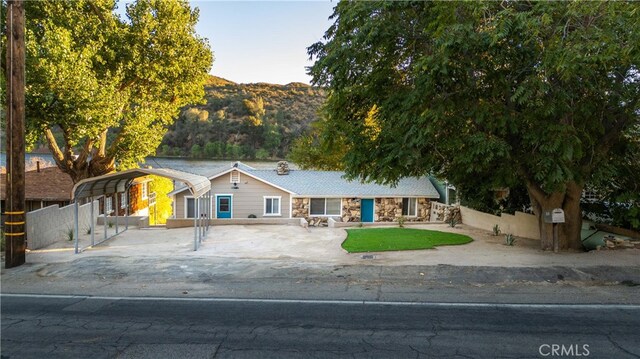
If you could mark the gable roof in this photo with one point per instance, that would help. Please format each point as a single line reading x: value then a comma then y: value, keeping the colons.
x: 50, y: 184
x: 330, y: 184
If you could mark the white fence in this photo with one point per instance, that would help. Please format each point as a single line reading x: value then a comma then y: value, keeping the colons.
x: 48, y: 225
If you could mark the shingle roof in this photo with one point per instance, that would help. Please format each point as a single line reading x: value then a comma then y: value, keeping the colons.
x: 50, y: 184
x: 332, y: 184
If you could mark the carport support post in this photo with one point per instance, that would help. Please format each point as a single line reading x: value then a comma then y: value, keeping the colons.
x: 115, y: 201
x: 104, y: 206
x: 195, y: 224
x: 126, y: 209
x: 93, y: 229
x: 75, y: 224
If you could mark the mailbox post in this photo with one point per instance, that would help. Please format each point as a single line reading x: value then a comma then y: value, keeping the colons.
x: 555, y: 217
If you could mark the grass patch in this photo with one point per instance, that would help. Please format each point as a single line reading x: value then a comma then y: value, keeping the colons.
x: 398, y: 239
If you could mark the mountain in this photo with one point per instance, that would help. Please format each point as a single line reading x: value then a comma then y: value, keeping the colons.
x: 255, y: 121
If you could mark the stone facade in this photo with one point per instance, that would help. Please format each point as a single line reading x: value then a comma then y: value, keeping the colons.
x: 390, y: 209
x: 350, y: 210
x: 443, y: 213
x: 385, y: 210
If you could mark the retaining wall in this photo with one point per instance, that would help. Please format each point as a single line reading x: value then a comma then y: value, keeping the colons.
x: 48, y: 225
x: 521, y: 224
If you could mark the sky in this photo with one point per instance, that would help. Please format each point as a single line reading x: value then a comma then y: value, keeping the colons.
x: 262, y: 41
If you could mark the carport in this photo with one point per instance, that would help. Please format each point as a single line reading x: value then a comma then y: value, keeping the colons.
x: 119, y: 182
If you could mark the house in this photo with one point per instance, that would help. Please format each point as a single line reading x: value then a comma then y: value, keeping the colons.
x: 50, y: 186
x: 240, y: 191
x: 43, y: 187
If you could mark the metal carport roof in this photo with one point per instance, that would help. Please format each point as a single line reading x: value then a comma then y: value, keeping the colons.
x: 118, y: 182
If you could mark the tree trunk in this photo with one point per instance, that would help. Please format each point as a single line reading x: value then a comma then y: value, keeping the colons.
x: 569, y: 201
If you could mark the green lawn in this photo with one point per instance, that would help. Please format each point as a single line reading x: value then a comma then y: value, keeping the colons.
x: 398, y: 239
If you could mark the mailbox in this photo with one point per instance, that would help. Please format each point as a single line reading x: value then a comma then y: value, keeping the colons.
x: 554, y: 216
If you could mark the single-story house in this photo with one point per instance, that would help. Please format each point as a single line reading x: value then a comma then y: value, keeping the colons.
x: 240, y: 191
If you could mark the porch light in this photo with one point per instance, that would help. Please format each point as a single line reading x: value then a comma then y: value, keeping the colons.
x: 235, y: 185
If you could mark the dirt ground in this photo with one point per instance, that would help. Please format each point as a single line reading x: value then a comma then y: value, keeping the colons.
x: 321, y: 246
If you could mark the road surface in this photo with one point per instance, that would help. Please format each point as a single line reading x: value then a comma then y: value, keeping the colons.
x: 35, y: 326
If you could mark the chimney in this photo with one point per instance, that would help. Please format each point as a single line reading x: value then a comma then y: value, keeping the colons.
x: 282, y: 168
x: 38, y: 166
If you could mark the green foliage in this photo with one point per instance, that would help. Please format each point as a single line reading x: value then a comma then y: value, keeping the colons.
x: 397, y: 239
x: 68, y: 234
x: 88, y: 230
x: 196, y: 151
x: 496, y: 230
x: 401, y: 221
x: 453, y: 222
x: 252, y: 116
x: 541, y: 94
x: 163, y: 207
x: 2, y: 241
x: 320, y: 149
x: 509, y: 239
x: 110, y: 86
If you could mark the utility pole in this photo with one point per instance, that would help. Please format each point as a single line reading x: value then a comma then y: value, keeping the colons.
x: 14, y: 228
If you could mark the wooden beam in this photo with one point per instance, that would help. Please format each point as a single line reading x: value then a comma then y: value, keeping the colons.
x: 15, y: 208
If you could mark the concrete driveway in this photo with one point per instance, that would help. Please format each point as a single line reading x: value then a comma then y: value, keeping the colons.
x: 294, y: 245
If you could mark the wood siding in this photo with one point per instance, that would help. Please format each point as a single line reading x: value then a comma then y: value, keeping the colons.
x: 247, y: 199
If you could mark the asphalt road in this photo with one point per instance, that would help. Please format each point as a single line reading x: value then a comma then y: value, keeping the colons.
x: 112, y: 327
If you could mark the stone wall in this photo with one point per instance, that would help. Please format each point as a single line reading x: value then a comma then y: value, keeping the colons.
x: 300, y: 207
x: 350, y: 210
x: 390, y: 209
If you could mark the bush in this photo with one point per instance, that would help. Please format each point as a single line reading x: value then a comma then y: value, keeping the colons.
x: 496, y: 230
x: 401, y: 221
x: 453, y: 222
x: 252, y: 216
x: 509, y: 239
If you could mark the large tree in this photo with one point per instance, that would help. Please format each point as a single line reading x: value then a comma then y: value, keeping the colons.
x: 102, y: 89
x: 493, y: 94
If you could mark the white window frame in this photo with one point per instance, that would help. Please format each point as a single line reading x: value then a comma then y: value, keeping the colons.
x: 415, y: 206
x: 325, y: 207
x: 145, y: 190
x: 108, y: 204
x: 234, y: 177
x: 264, y: 206
x: 123, y: 199
x: 186, y: 206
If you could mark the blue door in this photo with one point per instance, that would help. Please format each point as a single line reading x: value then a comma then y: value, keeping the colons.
x: 366, y: 208
x: 223, y: 209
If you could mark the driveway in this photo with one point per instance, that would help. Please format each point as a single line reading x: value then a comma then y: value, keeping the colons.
x: 295, y: 245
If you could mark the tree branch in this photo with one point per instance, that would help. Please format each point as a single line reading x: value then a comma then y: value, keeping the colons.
x: 54, y: 148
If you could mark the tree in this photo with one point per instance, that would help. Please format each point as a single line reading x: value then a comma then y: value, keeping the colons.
x: 110, y: 86
x: 544, y: 94
x: 320, y: 149
x: 159, y: 213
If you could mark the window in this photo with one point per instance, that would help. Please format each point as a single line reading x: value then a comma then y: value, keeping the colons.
x: 409, y: 207
x: 123, y: 200
x: 108, y: 204
x: 234, y: 177
x: 190, y: 207
x: 325, y: 206
x: 271, y: 206
x: 145, y: 190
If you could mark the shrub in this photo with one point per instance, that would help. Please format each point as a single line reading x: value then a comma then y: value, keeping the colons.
x: 453, y: 222
x: 252, y: 216
x: 69, y: 234
x: 509, y: 239
x: 496, y: 230
x: 88, y: 230
x: 401, y: 221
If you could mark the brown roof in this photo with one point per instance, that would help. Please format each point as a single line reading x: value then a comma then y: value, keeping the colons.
x: 50, y: 184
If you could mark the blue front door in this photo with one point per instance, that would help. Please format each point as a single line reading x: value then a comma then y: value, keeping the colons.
x: 223, y: 209
x: 366, y: 209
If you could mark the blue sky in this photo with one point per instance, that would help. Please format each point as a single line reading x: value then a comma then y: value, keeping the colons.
x: 262, y: 41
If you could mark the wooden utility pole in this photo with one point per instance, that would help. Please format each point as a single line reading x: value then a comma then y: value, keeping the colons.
x: 14, y: 227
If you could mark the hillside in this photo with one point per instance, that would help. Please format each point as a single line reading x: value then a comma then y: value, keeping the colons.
x: 255, y: 121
